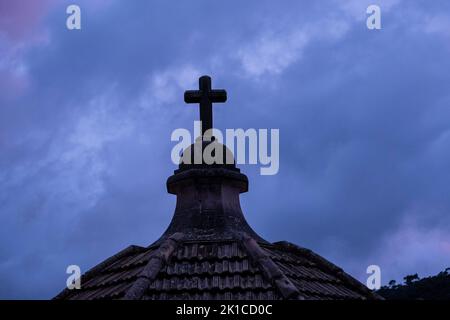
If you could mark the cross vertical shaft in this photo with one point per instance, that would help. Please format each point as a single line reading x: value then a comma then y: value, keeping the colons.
x: 205, y: 104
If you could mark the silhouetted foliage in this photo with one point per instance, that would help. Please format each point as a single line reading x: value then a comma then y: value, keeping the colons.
x: 410, y: 278
x: 430, y: 288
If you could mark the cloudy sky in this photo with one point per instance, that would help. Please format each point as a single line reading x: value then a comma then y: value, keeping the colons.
x: 86, y: 118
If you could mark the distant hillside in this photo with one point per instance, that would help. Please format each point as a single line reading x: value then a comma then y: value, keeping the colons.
x: 431, y: 288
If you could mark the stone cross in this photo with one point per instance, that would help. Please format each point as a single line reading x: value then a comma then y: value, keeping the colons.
x: 205, y: 96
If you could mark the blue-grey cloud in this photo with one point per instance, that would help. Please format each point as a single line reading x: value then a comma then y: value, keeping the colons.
x: 362, y: 116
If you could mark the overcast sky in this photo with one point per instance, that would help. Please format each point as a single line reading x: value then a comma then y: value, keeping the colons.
x: 86, y: 118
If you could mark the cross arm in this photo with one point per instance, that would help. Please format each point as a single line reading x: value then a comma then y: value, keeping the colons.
x: 218, y: 95
x: 192, y: 96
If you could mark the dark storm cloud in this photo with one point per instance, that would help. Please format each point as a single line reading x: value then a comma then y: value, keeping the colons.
x: 85, y: 138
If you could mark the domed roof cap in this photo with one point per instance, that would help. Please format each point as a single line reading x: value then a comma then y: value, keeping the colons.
x: 207, y: 154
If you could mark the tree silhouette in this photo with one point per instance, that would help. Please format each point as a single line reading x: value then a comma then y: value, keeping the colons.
x: 430, y: 288
x: 410, y: 278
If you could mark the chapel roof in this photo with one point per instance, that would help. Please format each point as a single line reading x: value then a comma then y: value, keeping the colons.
x: 209, y: 251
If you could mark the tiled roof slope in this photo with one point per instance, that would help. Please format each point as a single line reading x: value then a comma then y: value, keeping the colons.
x: 229, y: 269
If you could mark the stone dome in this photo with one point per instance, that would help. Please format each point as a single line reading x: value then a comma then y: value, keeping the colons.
x: 211, y: 154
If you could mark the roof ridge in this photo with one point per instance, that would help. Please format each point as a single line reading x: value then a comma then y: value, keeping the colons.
x: 158, y: 259
x: 270, y: 269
